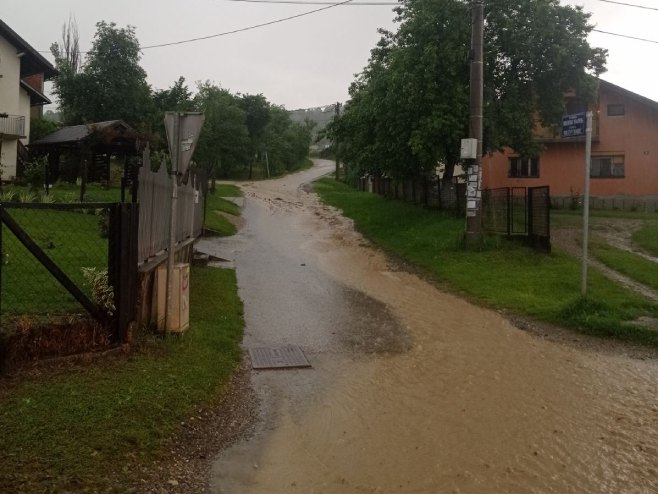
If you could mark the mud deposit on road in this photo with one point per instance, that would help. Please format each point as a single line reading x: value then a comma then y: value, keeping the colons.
x: 452, y: 399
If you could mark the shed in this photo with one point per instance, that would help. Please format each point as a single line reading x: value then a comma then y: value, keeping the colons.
x: 88, y: 148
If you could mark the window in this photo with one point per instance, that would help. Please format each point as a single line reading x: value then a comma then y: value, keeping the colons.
x: 607, y: 167
x: 523, y: 167
x: 616, y: 110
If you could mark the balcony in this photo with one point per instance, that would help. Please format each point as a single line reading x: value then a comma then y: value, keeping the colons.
x: 552, y: 133
x: 12, y: 126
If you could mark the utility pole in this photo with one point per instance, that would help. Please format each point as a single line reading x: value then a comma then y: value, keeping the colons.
x: 336, y: 145
x: 588, y: 161
x: 474, y: 173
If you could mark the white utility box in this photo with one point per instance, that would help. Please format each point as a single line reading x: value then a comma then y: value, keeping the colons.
x: 469, y: 149
x: 180, y: 297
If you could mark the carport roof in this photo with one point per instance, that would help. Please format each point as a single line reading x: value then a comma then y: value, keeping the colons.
x: 77, y: 133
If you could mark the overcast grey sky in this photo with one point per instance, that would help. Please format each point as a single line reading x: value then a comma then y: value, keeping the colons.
x: 304, y: 62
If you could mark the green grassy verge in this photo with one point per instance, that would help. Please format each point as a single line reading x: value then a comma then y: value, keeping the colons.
x: 502, y: 275
x: 87, y: 429
x: 217, y: 204
x: 647, y: 237
x: 632, y: 265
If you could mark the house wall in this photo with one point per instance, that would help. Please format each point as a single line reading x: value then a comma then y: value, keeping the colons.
x: 13, y: 100
x: 635, y: 135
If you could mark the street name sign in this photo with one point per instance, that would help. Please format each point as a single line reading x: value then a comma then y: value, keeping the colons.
x: 574, y: 125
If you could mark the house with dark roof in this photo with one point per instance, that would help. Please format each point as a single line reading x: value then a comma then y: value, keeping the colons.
x: 624, y: 152
x: 23, y: 71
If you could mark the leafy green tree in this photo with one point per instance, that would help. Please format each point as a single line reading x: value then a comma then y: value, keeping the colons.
x: 178, y: 97
x: 285, y: 141
x: 257, y: 111
x: 409, y: 107
x: 224, y: 144
x: 110, y: 85
x: 40, y: 127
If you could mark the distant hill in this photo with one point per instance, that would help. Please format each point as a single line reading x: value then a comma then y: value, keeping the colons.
x: 321, y: 116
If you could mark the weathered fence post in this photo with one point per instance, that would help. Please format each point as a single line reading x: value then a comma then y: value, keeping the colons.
x: 122, y: 264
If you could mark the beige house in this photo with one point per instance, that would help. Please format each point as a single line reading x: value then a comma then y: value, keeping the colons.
x: 22, y: 74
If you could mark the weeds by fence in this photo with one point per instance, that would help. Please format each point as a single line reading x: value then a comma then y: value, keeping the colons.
x: 633, y: 204
x: 432, y: 192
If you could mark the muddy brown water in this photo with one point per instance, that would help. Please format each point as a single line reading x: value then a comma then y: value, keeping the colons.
x: 414, y: 390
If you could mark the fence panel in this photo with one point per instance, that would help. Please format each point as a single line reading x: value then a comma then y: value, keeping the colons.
x: 518, y: 211
x: 539, y: 205
x: 154, y: 197
x: 496, y: 210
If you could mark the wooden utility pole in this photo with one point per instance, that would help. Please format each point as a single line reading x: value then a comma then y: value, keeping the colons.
x: 336, y: 145
x: 474, y: 175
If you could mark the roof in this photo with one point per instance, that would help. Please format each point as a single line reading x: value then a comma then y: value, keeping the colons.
x: 36, y: 98
x: 33, y: 62
x: 76, y: 133
x: 629, y: 94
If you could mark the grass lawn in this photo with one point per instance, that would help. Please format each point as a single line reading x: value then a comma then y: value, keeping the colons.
x: 647, y: 237
x: 503, y: 274
x: 65, y: 192
x: 71, y: 238
x: 87, y: 429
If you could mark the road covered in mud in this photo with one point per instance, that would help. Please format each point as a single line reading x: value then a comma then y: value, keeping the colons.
x: 414, y: 390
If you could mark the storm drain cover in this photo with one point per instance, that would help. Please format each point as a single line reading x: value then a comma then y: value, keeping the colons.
x: 282, y: 357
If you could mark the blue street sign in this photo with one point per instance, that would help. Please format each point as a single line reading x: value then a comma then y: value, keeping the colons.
x: 574, y: 125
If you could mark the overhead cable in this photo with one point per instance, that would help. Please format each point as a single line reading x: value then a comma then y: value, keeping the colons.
x: 626, y: 36
x: 310, y: 2
x: 248, y: 28
x: 629, y: 5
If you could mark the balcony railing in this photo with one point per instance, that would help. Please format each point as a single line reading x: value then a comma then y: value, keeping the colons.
x: 553, y: 133
x: 12, y: 125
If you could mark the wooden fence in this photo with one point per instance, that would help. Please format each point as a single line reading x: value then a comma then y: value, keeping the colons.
x: 154, y: 197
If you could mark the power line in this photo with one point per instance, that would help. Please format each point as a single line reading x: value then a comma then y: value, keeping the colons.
x: 629, y: 5
x: 310, y: 2
x: 626, y: 36
x: 248, y: 28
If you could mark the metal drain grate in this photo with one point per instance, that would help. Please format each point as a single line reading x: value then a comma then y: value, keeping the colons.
x: 283, y: 357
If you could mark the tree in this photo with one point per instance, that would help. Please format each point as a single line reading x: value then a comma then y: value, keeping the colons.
x: 110, y: 85
x: 409, y: 107
x: 257, y: 110
x: 285, y: 141
x: 176, y: 98
x: 67, y: 60
x: 224, y: 142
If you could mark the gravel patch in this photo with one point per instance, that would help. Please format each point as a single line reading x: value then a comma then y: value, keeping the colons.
x: 185, y: 467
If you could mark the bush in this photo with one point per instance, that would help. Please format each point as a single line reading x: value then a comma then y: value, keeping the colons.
x: 35, y: 173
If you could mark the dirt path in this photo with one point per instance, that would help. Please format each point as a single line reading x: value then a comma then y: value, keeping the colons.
x: 413, y: 390
x: 616, y: 232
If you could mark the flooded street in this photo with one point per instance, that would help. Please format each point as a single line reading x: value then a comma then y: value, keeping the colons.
x: 414, y: 390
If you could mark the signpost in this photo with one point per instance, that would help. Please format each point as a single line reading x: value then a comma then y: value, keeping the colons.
x: 183, y: 129
x: 579, y: 125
